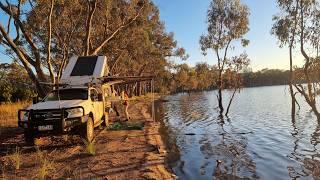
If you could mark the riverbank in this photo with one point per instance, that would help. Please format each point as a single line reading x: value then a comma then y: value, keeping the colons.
x: 123, y: 154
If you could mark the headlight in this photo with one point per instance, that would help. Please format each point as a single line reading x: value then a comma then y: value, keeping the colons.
x: 76, y: 112
x: 25, y: 116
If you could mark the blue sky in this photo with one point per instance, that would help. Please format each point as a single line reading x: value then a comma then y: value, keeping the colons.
x: 187, y: 20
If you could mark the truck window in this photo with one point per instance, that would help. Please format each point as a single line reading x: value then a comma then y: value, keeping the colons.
x: 67, y: 94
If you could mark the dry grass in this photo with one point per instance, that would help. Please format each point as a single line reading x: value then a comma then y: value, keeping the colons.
x: 46, y: 166
x: 15, y: 159
x: 9, y: 113
x: 90, y: 147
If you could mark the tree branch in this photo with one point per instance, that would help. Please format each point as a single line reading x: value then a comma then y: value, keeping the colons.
x: 117, y: 60
x: 23, y: 59
x: 18, y: 23
x: 88, y: 25
x: 117, y: 31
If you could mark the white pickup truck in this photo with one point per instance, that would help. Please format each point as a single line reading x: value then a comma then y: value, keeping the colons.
x: 77, y: 106
x: 67, y: 110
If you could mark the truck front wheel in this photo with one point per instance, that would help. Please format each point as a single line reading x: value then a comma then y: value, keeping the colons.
x: 29, y: 137
x: 89, y: 130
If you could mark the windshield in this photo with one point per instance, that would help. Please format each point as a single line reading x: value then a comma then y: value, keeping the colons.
x: 67, y: 94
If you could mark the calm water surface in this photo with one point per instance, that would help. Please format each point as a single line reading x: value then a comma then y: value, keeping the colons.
x: 258, y: 140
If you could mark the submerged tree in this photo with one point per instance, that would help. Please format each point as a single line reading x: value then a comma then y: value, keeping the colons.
x: 233, y: 76
x: 227, y: 22
x: 299, y: 28
x: 285, y: 29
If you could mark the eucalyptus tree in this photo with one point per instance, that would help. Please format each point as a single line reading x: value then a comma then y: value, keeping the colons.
x: 205, y: 72
x: 299, y: 28
x: 227, y: 23
x: 308, y: 22
x: 285, y: 29
x: 43, y: 35
x: 233, y: 76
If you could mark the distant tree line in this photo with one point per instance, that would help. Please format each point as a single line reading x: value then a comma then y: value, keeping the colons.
x: 266, y: 77
x: 15, y: 85
x: 203, y: 77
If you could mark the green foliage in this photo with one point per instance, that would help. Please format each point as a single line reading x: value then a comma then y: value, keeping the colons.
x: 140, y: 48
x: 14, y: 83
x: 129, y: 33
x: 266, y: 77
x: 6, y: 91
x: 188, y: 78
x: 125, y: 126
x: 227, y: 21
x: 206, y: 75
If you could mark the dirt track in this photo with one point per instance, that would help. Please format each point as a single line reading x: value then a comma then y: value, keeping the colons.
x: 136, y: 154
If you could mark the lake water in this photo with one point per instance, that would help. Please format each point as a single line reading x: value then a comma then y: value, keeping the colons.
x: 258, y: 140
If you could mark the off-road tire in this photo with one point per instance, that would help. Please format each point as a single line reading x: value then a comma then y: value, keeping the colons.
x: 29, y: 137
x: 88, y: 130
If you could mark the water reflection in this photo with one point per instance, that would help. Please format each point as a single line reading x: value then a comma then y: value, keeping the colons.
x: 232, y: 161
x: 258, y: 140
x: 310, y: 161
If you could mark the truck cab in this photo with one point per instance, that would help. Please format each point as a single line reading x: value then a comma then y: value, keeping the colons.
x: 77, y: 105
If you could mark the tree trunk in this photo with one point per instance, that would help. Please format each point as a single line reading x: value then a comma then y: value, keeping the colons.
x: 293, y: 98
x: 88, y: 25
x: 230, y: 101
x: 52, y: 77
x: 220, y: 93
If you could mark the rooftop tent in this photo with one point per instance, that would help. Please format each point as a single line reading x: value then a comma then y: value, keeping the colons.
x: 84, y: 69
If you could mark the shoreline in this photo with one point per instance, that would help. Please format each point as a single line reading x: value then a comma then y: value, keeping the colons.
x: 122, y: 154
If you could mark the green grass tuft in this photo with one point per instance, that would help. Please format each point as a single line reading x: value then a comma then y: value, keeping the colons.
x: 125, y: 126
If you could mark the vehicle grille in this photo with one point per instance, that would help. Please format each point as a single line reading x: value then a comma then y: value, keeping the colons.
x: 47, y: 115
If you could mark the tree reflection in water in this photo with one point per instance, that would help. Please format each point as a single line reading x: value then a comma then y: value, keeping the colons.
x: 230, y: 152
x: 310, y: 162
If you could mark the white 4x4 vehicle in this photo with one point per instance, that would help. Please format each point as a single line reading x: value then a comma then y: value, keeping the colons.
x: 67, y: 110
x: 79, y: 106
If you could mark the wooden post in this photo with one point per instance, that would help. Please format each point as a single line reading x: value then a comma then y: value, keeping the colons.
x: 152, y: 92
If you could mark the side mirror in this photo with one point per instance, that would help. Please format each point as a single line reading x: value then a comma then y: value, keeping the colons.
x: 100, y: 97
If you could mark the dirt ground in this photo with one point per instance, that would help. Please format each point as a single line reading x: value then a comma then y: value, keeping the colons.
x: 134, y: 154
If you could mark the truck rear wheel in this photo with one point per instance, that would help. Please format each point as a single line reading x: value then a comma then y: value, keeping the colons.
x: 29, y: 137
x: 89, y: 130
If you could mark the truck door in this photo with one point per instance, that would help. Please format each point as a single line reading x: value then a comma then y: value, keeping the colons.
x: 97, y: 105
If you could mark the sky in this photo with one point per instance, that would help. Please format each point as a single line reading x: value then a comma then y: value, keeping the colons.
x: 187, y: 20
